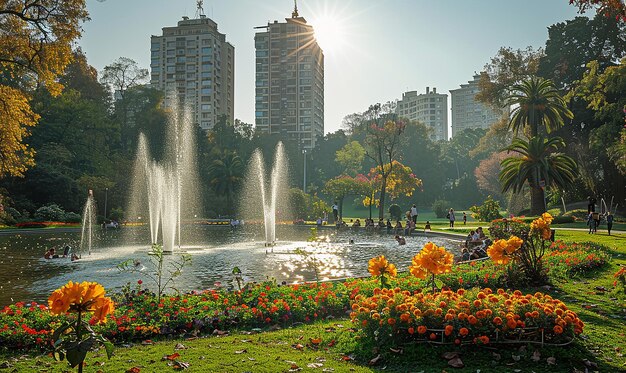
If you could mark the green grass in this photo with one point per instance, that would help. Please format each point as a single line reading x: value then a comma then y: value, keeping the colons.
x: 602, y: 345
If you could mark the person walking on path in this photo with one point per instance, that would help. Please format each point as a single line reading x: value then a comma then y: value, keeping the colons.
x: 451, y: 218
x: 590, y: 222
x: 335, y: 211
x: 414, y: 213
x: 609, y: 222
x: 464, y: 218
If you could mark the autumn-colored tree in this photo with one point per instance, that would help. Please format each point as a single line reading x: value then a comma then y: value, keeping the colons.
x: 400, y: 182
x: 35, y: 47
x: 608, y: 8
x: 381, y: 145
x: 487, y: 174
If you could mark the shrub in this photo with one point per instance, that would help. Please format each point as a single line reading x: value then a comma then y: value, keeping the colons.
x: 441, y: 208
x: 505, y: 228
x: 572, y: 259
x: 578, y: 214
x: 490, y: 210
x: 563, y: 219
x: 72, y: 217
x: 395, y: 211
x: 117, y: 214
x: 51, y: 212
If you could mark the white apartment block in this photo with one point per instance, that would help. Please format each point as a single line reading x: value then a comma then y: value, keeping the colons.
x: 194, y: 65
x: 289, y: 92
x: 429, y: 108
x: 469, y: 113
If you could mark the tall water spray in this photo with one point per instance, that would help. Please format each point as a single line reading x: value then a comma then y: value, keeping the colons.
x: 272, y: 192
x: 163, y: 188
x: 89, y: 220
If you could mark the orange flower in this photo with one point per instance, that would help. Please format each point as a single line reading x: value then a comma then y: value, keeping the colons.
x: 380, y: 266
x: 511, y: 323
x: 483, y: 339
x: 497, y: 320
x: 103, y: 307
x: 472, y: 320
x: 421, y: 329
x: 448, y: 330
x: 58, y: 303
x: 431, y: 259
x: 463, y: 332
x: 433, y: 336
x: 391, y: 321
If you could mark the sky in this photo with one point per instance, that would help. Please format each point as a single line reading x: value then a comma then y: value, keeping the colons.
x: 374, y: 50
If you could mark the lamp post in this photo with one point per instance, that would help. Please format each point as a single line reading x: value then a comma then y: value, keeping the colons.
x: 304, y: 181
x: 106, y: 196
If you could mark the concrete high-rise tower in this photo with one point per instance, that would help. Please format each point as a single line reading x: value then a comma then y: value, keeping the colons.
x: 429, y: 108
x: 469, y: 113
x: 289, y: 81
x: 195, y: 65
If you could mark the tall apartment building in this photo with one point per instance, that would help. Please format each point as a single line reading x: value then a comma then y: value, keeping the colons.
x: 469, y: 113
x: 194, y: 65
x: 289, y: 81
x: 430, y: 108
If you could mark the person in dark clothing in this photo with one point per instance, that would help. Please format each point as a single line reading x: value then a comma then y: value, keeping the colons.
x: 609, y: 222
x: 591, y: 206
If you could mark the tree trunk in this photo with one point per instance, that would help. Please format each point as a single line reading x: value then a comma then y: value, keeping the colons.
x: 537, y: 203
x: 381, y: 208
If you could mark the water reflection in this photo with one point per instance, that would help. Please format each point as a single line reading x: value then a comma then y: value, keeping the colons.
x: 25, y: 275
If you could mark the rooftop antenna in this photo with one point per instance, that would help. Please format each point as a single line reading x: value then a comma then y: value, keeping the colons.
x: 199, y: 9
x: 294, y: 14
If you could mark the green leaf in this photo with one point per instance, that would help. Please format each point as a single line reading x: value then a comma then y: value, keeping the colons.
x: 58, y: 355
x: 60, y: 330
x: 108, y: 346
x: 236, y: 270
x: 75, y: 356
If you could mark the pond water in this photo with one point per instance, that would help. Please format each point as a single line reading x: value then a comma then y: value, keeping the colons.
x: 25, y: 275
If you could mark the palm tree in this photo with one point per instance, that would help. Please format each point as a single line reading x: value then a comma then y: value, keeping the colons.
x: 538, y: 161
x: 537, y: 102
x: 225, y: 175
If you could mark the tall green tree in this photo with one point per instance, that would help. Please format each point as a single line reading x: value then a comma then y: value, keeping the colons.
x: 225, y: 175
x: 351, y: 157
x: 538, y: 106
x: 539, y: 164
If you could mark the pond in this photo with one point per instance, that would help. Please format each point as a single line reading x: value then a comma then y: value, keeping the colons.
x: 25, y: 275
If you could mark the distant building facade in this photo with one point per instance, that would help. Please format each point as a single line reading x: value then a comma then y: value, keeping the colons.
x: 195, y: 65
x: 429, y: 108
x: 289, y: 96
x: 469, y: 113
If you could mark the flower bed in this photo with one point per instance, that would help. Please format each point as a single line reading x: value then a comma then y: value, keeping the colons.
x: 45, y: 224
x: 572, y: 259
x: 396, y: 316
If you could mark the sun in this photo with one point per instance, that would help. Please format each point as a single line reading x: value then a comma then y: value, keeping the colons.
x: 330, y: 32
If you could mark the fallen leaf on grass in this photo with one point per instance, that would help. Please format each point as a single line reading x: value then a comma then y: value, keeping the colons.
x: 133, y: 370
x: 219, y: 332
x: 496, y: 356
x: 551, y: 360
x: 456, y: 362
x: 375, y: 360
x: 330, y: 329
x: 245, y: 340
x: 241, y: 351
x: 332, y: 343
x: 173, y: 356
x: 315, y: 365
x: 180, y: 346
x: 347, y: 357
x: 516, y: 357
x: 180, y: 365
x: 315, y: 341
x: 450, y: 355
x: 298, y: 346
x: 536, y: 356
x: 294, y: 368
x: 147, y: 342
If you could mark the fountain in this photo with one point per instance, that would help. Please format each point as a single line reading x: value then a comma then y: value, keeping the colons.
x: 272, y: 199
x: 89, y: 219
x: 166, y: 187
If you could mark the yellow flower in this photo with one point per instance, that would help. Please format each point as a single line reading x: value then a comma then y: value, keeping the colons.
x: 93, y: 291
x: 73, y: 293
x: 103, y: 307
x: 58, y: 302
x: 513, y: 244
x: 380, y: 266
x: 432, y: 259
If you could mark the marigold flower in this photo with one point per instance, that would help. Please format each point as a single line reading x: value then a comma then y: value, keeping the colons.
x: 463, y: 332
x: 557, y: 329
x: 421, y: 329
x: 380, y: 266
x: 431, y: 259
x: 448, y: 330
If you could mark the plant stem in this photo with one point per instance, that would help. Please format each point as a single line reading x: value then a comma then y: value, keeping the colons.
x: 79, y: 335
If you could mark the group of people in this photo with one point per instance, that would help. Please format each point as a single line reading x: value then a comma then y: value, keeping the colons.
x: 67, y: 252
x: 594, y: 219
x: 475, y: 246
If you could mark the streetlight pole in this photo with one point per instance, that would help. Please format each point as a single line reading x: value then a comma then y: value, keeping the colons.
x: 304, y: 181
x: 106, y: 196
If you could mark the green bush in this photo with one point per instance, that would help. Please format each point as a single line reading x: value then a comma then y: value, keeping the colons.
x: 72, y: 217
x: 116, y: 214
x: 563, y: 219
x: 51, y: 212
x: 395, y: 211
x: 578, y: 214
x: 490, y: 210
x: 441, y: 207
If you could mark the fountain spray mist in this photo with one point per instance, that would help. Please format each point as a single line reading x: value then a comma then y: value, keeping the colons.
x: 273, y: 194
x: 163, y: 189
x: 89, y: 220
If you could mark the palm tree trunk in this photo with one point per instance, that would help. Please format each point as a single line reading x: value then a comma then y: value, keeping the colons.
x: 537, y: 204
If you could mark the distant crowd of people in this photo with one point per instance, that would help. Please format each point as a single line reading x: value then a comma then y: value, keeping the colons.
x: 67, y: 253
